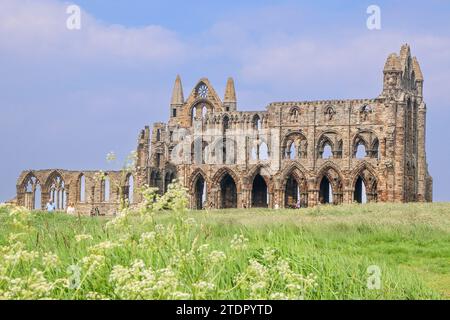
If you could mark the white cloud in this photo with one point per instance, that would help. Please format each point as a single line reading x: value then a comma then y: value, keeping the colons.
x: 38, y: 29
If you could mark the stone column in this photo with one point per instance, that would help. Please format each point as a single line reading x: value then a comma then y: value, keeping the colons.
x: 421, y: 153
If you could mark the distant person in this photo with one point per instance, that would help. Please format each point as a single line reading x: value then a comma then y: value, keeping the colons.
x: 50, y: 206
x: 70, y: 209
x: 95, y: 212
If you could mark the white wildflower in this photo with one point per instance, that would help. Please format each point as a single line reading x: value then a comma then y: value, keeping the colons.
x: 181, y: 296
x: 147, y: 239
x: 217, y: 257
x: 159, y: 228
x: 269, y: 255
x: 24, y: 256
x: 104, y: 246
x: 261, y: 285
x: 82, y: 237
x: 204, y: 286
x: 239, y: 242
x: 278, y: 296
x: 92, y: 262
x: 50, y: 260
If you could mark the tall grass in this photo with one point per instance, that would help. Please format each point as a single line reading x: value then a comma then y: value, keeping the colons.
x: 317, y: 253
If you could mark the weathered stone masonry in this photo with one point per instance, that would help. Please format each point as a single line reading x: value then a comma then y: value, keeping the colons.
x: 291, y: 154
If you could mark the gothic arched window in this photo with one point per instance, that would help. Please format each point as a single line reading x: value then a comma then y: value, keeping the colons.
x: 329, y: 113
x: 294, y: 114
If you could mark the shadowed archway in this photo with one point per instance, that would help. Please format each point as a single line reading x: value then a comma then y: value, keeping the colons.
x: 259, y: 192
x: 326, y: 191
x: 199, y: 193
x: 360, y: 195
x: 365, y: 185
x: 228, y: 192
x: 292, y: 193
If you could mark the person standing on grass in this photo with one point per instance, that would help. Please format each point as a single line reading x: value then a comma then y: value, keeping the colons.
x: 50, y: 206
x: 71, y: 209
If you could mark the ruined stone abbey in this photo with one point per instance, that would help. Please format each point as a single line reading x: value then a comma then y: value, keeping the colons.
x: 292, y: 154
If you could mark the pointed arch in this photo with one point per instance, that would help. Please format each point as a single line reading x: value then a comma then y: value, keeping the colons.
x: 81, y: 188
x: 294, y: 114
x: 360, y: 147
x: 264, y: 171
x: 329, y: 112
x: 332, y: 139
x: 330, y: 184
x: 200, y: 110
x: 55, y: 186
x: 294, y: 146
x: 294, y: 186
x: 31, y: 189
x: 365, y: 177
x: 322, y: 144
x: 221, y: 173
x: 24, y: 178
x: 228, y: 185
x: 196, y: 174
x: 198, y: 189
x: 210, y: 96
x: 365, y: 140
x: 256, y: 122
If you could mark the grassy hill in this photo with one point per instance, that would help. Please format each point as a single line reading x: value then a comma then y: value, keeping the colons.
x: 327, y: 252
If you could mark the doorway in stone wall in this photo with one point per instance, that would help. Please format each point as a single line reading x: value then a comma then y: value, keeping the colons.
x: 360, y: 195
x: 326, y: 191
x: 199, y: 193
x: 259, y: 192
x: 228, y: 192
x: 292, y: 193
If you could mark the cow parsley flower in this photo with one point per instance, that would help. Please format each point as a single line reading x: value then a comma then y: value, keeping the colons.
x: 216, y: 257
x: 147, y: 240
x: 204, y: 286
x: 92, y: 262
x: 50, y: 260
x: 104, y: 246
x: 82, y: 237
x: 181, y: 296
x: 239, y: 242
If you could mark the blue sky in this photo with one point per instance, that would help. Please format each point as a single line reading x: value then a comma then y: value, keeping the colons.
x: 67, y: 98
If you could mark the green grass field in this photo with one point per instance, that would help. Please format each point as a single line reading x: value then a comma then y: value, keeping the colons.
x: 317, y: 253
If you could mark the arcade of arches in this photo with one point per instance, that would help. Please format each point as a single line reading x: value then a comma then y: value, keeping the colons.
x: 295, y: 190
